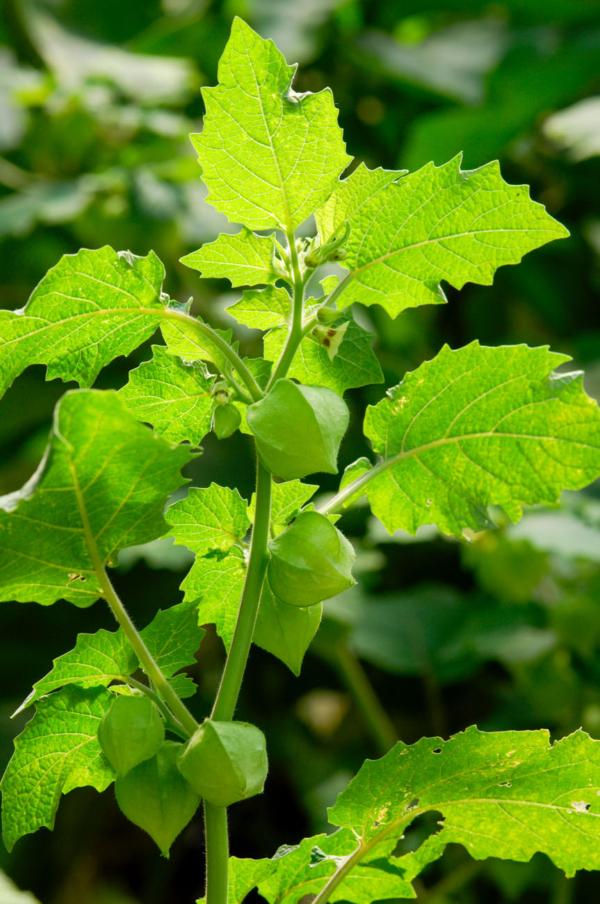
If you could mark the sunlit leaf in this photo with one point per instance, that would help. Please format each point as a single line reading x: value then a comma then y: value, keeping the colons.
x: 269, y: 156
x: 440, y: 223
x: 101, y: 486
x: 480, y: 426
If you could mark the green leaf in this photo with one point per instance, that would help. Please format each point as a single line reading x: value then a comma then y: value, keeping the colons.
x: 303, y: 869
x: 504, y: 794
x: 96, y: 660
x: 245, y: 258
x: 438, y: 223
x: 57, y: 751
x: 270, y: 157
x: 90, y: 308
x: 173, y: 636
x: 208, y: 519
x: 355, y: 363
x: 261, y: 309
x: 285, y: 631
x: 174, y: 397
x: 217, y: 582
x: 190, y: 345
x: 102, y: 485
x: 286, y: 501
x: 351, y: 195
x: 352, y: 472
x: 480, y: 426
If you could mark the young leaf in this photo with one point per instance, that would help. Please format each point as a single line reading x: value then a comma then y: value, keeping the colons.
x: 285, y: 631
x: 261, y: 309
x: 102, y: 485
x: 347, y: 201
x: 217, y: 582
x: 270, y: 157
x: 90, y: 308
x: 480, y: 426
x: 174, y: 397
x: 96, y: 660
x: 503, y: 794
x: 57, y: 751
x: 355, y: 363
x: 208, y: 519
x: 438, y: 223
x: 245, y: 258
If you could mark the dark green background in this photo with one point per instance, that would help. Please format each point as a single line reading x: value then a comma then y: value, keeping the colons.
x: 504, y: 633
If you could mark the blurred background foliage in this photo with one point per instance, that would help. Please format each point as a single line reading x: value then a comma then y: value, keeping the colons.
x: 96, y: 101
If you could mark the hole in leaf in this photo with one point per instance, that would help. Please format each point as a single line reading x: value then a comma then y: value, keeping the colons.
x: 580, y: 806
x: 437, y: 750
x: 504, y: 785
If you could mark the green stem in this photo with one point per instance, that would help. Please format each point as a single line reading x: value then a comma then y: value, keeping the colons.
x: 151, y: 667
x: 170, y: 721
x: 340, y: 874
x: 340, y: 499
x: 217, y: 854
x: 295, y: 332
x: 235, y: 666
x: 375, y: 717
x: 341, y: 286
x: 226, y: 350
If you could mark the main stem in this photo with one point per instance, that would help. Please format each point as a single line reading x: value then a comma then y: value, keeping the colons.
x: 235, y: 666
x: 215, y: 818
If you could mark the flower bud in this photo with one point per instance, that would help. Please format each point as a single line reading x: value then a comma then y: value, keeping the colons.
x: 298, y: 429
x: 130, y: 732
x: 220, y: 393
x: 156, y: 797
x: 338, y: 254
x: 226, y: 420
x: 328, y: 315
x: 225, y: 762
x: 310, y: 561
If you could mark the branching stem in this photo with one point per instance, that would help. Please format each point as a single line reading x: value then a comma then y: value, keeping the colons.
x: 222, y: 345
x: 295, y: 333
